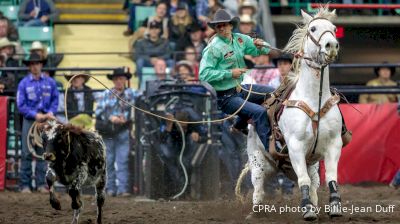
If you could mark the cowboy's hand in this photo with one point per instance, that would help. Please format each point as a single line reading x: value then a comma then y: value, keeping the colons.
x: 195, y: 136
x: 237, y: 72
x: 50, y: 115
x: 259, y: 43
x: 39, y: 117
x: 32, y: 14
x: 114, y: 119
x: 2, y: 88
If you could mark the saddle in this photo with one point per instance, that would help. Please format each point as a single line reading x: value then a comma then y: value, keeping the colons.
x: 275, y: 105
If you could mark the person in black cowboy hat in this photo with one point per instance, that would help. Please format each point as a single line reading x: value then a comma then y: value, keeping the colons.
x: 384, y: 72
x: 115, y: 118
x: 37, y: 100
x: 223, y: 66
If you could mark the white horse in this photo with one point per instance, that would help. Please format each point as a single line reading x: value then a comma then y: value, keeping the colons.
x: 317, y: 42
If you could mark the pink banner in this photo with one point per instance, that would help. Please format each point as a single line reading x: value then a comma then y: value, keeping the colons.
x: 3, y: 140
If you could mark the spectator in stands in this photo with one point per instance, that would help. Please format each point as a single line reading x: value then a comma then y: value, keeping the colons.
x: 150, y: 49
x: 205, y: 9
x: 37, y: 12
x: 192, y: 57
x: 161, y: 18
x: 284, y: 64
x: 194, y: 39
x: 264, y: 76
x: 384, y: 73
x: 7, y: 78
x: 184, y: 71
x: 160, y: 69
x: 179, y: 23
x: 37, y: 100
x: 115, y: 117
x: 52, y: 60
x: 7, y: 29
x: 248, y: 7
x: 7, y: 49
x: 80, y: 104
x: 130, y: 7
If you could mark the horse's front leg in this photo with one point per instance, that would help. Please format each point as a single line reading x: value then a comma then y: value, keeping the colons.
x: 74, y: 192
x: 50, y: 179
x: 297, y: 153
x: 332, y: 156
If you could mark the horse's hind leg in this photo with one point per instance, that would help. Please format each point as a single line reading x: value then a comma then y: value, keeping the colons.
x: 259, y: 167
x: 332, y: 156
x: 100, y: 196
x: 313, y: 173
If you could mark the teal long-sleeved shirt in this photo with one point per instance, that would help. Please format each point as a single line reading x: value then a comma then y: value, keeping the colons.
x: 223, y: 55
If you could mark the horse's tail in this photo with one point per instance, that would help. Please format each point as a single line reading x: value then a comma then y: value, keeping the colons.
x: 239, y: 182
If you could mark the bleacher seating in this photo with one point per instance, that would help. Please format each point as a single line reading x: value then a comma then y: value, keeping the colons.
x: 141, y: 13
x: 10, y: 11
x: 43, y: 34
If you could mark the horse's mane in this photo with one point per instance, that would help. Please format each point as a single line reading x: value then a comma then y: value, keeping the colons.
x: 295, y: 43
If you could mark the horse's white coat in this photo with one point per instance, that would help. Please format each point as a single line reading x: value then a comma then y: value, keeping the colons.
x: 296, y: 126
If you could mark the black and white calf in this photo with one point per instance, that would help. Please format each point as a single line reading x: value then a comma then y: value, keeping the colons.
x: 74, y: 161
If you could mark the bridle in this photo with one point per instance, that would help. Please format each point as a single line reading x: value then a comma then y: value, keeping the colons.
x: 317, y: 43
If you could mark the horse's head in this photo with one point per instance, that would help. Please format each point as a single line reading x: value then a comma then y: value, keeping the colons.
x: 316, y: 37
x: 320, y: 42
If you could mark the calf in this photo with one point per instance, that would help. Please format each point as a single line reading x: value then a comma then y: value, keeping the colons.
x: 76, y: 158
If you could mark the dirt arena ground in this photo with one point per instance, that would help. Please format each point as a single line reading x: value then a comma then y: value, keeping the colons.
x: 35, y: 208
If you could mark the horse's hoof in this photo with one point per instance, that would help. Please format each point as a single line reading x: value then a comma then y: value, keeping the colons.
x: 309, y: 214
x: 335, y: 209
x: 55, y: 204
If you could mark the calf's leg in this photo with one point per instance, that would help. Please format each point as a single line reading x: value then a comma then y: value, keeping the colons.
x: 50, y: 179
x: 100, y: 196
x: 75, y: 194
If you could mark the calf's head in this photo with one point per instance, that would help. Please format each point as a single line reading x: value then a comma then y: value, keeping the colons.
x: 53, y: 140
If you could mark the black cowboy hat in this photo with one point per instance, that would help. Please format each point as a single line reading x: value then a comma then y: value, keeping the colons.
x: 223, y: 16
x: 283, y: 57
x: 124, y: 71
x: 79, y: 73
x: 34, y: 58
x: 385, y: 64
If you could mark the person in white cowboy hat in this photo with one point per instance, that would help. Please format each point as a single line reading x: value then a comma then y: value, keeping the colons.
x: 247, y: 24
x: 248, y: 7
x: 7, y: 49
x: 79, y: 103
x: 223, y: 67
x: 38, y: 48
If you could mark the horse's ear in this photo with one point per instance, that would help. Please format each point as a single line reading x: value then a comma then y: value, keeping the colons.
x: 306, y: 17
x: 333, y: 12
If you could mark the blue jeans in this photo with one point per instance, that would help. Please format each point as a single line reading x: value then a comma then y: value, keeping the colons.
x: 251, y: 110
x: 26, y: 161
x: 118, y: 152
x: 34, y: 22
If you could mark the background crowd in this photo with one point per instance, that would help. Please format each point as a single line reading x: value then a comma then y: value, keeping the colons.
x: 170, y: 43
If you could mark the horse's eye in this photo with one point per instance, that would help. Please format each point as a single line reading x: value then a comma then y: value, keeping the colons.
x: 313, y: 29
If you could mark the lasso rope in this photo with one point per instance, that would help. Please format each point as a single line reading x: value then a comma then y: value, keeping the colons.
x: 153, y: 114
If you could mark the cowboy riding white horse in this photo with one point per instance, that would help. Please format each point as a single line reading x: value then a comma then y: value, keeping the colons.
x: 311, y: 127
